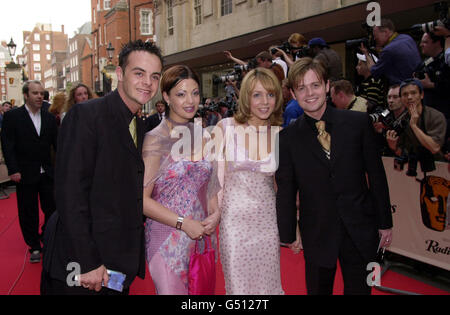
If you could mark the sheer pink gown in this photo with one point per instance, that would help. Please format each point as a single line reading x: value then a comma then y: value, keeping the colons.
x: 248, y: 236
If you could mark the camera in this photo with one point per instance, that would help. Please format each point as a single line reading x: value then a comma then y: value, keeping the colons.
x: 286, y: 47
x: 296, y: 52
x: 386, y: 117
x: 442, y: 9
x: 368, y: 41
x: 237, y: 74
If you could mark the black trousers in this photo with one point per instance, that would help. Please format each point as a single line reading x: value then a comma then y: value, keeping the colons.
x: 50, y: 286
x: 320, y: 280
x: 28, y: 198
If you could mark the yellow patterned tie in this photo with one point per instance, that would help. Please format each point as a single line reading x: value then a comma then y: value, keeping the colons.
x: 132, y: 128
x: 324, y: 137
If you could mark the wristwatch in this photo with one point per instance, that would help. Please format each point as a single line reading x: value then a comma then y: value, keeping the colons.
x: 179, y: 223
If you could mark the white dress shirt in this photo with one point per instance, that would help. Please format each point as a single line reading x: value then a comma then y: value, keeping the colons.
x: 35, y: 118
x: 37, y: 122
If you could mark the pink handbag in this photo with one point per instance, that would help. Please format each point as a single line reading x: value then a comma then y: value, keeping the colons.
x: 202, y: 270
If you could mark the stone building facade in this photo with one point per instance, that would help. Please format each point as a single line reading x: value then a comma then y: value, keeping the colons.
x: 196, y: 32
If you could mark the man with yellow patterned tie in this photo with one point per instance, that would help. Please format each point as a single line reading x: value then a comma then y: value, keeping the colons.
x: 330, y: 157
x: 99, y: 183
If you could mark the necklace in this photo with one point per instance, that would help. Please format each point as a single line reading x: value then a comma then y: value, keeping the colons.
x: 259, y: 129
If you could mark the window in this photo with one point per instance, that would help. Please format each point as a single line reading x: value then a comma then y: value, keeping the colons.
x: 48, y: 47
x: 198, y: 12
x: 146, y: 22
x: 170, y: 16
x: 36, y: 47
x: 37, y: 76
x: 36, y: 57
x: 49, y: 57
x: 37, y: 37
x: 226, y: 7
x: 37, y: 67
x: 47, y: 37
x: 107, y: 4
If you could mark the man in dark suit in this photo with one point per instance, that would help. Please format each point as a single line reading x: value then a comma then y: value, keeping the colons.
x: 154, y: 120
x: 28, y: 137
x: 99, y: 183
x: 344, y: 199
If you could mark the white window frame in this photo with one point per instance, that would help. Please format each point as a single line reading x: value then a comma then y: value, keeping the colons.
x: 226, y: 7
x: 198, y: 18
x: 170, y: 20
x: 146, y: 22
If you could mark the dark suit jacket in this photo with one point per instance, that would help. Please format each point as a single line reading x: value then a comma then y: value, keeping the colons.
x: 23, y: 149
x: 99, y: 187
x: 332, y: 191
x: 152, y: 122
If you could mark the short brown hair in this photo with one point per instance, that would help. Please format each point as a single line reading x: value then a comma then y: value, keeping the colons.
x: 270, y: 82
x: 342, y: 86
x: 303, y: 65
x: 387, y: 24
x: 175, y: 74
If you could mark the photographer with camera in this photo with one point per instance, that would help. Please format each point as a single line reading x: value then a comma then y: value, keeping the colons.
x: 394, y: 118
x: 425, y: 134
x: 434, y: 74
x: 276, y: 58
x: 370, y: 88
x: 399, y: 57
x: 329, y: 57
x: 295, y: 48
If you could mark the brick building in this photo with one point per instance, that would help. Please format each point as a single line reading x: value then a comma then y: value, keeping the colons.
x: 79, y: 46
x: 39, y: 45
x: 117, y: 22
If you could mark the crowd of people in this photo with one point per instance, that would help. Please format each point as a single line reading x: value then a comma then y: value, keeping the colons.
x: 313, y: 179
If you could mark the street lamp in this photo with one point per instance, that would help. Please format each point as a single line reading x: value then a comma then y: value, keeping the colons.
x: 12, y: 48
x: 110, y: 50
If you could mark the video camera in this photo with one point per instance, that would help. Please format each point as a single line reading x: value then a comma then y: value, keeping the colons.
x: 442, y: 9
x: 386, y: 117
x: 237, y: 74
x: 300, y: 52
x: 368, y: 41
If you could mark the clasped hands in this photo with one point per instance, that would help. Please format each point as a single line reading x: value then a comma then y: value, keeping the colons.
x: 197, y: 229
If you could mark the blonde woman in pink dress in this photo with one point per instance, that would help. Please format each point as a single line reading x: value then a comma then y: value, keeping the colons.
x: 248, y: 236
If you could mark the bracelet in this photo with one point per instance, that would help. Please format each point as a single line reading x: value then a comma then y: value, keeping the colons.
x: 179, y: 223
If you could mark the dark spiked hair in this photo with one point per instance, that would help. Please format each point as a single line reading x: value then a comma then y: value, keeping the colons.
x: 138, y: 45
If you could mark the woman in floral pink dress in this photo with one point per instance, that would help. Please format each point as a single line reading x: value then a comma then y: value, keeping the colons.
x: 248, y: 236
x: 179, y: 186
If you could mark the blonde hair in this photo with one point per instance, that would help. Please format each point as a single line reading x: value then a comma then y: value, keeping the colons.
x: 270, y: 82
x: 298, y: 39
x: 59, y: 101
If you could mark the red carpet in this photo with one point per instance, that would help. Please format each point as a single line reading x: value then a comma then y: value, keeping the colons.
x: 19, y: 277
